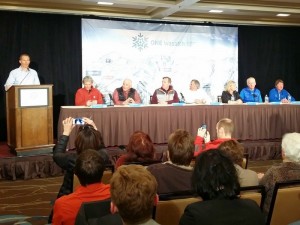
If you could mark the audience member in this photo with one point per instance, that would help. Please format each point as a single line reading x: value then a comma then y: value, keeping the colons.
x: 196, y: 95
x: 230, y: 95
x: 166, y: 94
x: 289, y: 169
x: 126, y: 94
x: 250, y: 93
x: 22, y: 75
x: 133, y: 194
x: 89, y: 169
x: 88, y: 95
x: 235, y: 152
x: 140, y: 148
x: 175, y: 174
x: 278, y: 94
x: 224, y: 128
x: 88, y: 137
x: 215, y: 180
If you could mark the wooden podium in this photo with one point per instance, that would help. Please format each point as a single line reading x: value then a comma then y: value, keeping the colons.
x: 29, y: 113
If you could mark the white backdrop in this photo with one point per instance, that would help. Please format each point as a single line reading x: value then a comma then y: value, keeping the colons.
x: 146, y: 52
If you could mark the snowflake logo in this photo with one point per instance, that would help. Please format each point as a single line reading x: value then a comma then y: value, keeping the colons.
x: 140, y: 42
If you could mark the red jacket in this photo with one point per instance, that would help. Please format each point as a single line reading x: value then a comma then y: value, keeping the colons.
x: 201, y: 146
x: 83, y: 95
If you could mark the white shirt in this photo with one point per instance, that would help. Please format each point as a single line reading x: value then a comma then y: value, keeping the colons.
x: 200, y: 94
x: 22, y: 77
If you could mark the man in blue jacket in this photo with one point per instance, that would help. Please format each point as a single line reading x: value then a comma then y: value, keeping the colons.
x: 250, y: 93
x: 278, y: 94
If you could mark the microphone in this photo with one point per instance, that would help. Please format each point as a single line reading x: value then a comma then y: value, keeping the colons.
x: 182, y: 97
x: 110, y: 96
x: 111, y: 101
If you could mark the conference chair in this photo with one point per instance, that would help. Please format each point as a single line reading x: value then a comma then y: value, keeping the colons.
x: 171, y: 206
x: 285, y: 203
x: 95, y: 211
x: 256, y: 193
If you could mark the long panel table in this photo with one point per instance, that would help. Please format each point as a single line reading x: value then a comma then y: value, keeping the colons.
x: 252, y: 122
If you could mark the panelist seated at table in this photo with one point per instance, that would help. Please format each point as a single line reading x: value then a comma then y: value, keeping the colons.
x: 230, y: 95
x: 278, y: 94
x: 165, y: 94
x: 22, y: 75
x: 126, y: 94
x: 195, y: 94
x: 250, y: 93
x: 88, y: 95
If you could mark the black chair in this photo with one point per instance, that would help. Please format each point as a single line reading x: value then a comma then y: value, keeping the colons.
x: 90, y: 212
x: 285, y: 203
x: 256, y: 193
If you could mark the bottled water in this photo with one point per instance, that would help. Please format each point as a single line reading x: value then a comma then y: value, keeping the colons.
x: 289, y: 98
x: 266, y: 99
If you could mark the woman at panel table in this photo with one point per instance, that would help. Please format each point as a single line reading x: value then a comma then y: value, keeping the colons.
x: 88, y: 95
x: 278, y: 94
x: 230, y: 95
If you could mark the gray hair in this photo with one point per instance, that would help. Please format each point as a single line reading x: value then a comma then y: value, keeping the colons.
x: 291, y: 146
x: 87, y: 78
x: 196, y: 82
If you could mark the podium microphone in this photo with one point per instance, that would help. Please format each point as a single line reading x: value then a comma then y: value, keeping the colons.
x: 182, y: 97
x: 111, y: 101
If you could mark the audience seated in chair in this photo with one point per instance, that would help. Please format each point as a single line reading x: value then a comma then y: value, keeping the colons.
x: 89, y: 169
x: 215, y: 180
x: 140, y: 149
x: 175, y: 174
x: 133, y: 194
x: 235, y: 152
x: 87, y: 137
x: 289, y: 169
x: 224, y: 128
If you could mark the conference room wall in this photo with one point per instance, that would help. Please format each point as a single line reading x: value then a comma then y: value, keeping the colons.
x: 54, y: 44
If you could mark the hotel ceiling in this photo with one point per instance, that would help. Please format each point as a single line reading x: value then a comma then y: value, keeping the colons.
x: 254, y: 12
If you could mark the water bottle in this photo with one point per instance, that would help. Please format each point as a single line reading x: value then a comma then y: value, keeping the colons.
x: 232, y: 98
x: 266, y: 99
x: 289, y: 98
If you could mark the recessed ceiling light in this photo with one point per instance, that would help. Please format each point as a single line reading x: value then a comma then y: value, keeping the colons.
x: 105, y: 3
x: 283, y: 14
x: 215, y: 11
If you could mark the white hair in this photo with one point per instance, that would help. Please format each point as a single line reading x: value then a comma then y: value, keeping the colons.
x: 291, y: 146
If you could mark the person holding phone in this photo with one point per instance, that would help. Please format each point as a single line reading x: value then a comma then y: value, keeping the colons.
x: 224, y: 129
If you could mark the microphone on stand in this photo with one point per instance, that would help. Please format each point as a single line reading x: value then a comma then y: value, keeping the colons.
x: 182, y: 97
x: 111, y: 101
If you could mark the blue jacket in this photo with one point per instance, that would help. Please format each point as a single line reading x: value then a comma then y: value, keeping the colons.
x: 248, y: 95
x: 276, y: 96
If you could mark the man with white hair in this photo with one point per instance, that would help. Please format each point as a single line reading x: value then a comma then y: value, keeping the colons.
x: 126, y: 94
x: 250, y: 93
x: 289, y: 169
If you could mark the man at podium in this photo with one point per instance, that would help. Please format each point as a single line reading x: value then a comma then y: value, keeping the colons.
x: 22, y: 75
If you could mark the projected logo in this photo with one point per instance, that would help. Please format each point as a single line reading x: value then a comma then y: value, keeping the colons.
x: 140, y: 42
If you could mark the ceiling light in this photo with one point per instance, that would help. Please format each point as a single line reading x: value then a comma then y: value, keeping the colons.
x: 283, y: 14
x: 105, y: 3
x: 215, y: 11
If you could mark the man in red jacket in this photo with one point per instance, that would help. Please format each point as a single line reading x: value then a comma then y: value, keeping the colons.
x: 224, y: 128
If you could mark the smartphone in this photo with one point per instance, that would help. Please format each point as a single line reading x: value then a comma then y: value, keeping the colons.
x: 78, y: 121
x: 203, y: 126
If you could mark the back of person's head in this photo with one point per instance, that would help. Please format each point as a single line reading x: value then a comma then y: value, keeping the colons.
x: 234, y: 150
x: 291, y: 146
x: 88, y: 138
x: 140, y: 148
x: 89, y: 167
x: 133, y: 191
x: 181, y: 147
x: 227, y: 125
x: 215, y: 176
